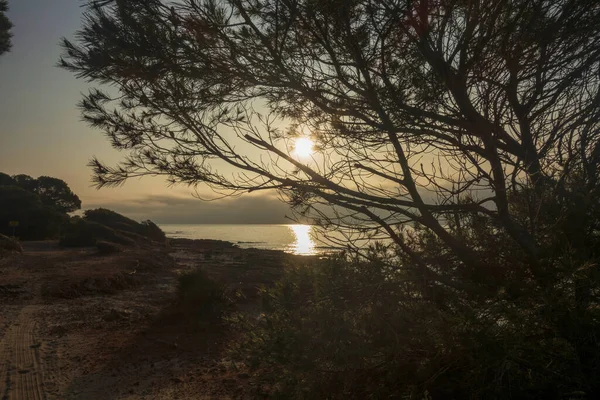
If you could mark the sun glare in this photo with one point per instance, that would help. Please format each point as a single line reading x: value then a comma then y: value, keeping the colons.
x: 303, y: 147
x: 304, y: 244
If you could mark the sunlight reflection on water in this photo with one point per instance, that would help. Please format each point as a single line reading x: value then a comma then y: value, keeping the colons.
x: 304, y: 245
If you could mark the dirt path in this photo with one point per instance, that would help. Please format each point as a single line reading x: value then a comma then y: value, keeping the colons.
x: 21, y: 375
x: 78, y: 325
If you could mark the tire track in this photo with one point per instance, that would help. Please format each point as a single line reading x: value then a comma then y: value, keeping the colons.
x: 51, y: 370
x: 21, y: 376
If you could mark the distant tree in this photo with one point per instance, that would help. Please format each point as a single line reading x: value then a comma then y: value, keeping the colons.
x: 38, y: 205
x: 5, y: 26
x: 53, y: 192
x: 36, y: 221
x: 6, y: 180
x: 25, y: 182
x: 56, y: 193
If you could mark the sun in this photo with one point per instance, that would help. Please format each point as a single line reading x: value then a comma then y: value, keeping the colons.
x: 303, y: 147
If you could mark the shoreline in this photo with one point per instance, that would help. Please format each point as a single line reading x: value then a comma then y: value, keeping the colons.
x: 100, y: 326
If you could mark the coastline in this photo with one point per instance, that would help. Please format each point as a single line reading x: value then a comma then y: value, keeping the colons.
x: 104, y: 326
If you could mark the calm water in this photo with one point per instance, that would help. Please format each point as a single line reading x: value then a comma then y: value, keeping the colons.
x: 296, y: 239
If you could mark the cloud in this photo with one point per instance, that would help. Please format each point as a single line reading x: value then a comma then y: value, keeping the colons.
x: 257, y: 209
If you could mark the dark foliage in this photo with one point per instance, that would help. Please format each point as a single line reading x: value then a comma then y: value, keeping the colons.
x: 56, y: 193
x: 105, y: 247
x: 200, y: 298
x: 7, y: 180
x: 36, y: 221
x: 5, y: 26
x: 38, y: 205
x: 413, y: 104
x: 106, y: 225
x: 9, y: 245
x: 145, y: 229
x: 80, y: 232
x: 381, y: 329
x: 25, y: 182
x: 53, y: 192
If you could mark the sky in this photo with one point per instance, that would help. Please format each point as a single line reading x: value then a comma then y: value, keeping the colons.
x: 41, y: 132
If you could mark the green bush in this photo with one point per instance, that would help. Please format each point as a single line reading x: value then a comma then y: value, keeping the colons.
x: 201, y: 299
x: 355, y: 329
x: 82, y: 233
x: 144, y: 231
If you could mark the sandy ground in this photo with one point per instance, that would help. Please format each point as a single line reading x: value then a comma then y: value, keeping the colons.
x: 78, y: 325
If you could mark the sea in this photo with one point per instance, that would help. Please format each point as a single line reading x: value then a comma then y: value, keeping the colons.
x: 294, y: 238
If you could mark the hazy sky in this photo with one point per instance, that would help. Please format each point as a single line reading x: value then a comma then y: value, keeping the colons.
x: 41, y: 132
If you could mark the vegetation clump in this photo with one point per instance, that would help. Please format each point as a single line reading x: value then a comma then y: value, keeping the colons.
x: 106, y: 248
x: 145, y: 229
x: 34, y: 209
x: 9, y: 245
x: 380, y: 327
x: 108, y: 226
x: 200, y: 298
x: 5, y: 27
x: 36, y: 221
x: 80, y: 232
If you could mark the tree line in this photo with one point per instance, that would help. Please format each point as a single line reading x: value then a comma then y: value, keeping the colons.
x: 39, y: 206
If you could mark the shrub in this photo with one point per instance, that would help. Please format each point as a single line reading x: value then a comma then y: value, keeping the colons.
x: 144, y: 231
x: 200, y: 298
x: 355, y: 329
x: 9, y: 245
x: 151, y: 230
x: 81, y: 233
x: 105, y: 247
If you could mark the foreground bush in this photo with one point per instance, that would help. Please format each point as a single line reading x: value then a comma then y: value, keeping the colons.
x: 350, y: 328
x: 201, y: 299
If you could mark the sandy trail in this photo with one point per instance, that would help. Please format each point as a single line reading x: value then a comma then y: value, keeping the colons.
x: 73, y: 327
x: 21, y: 375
